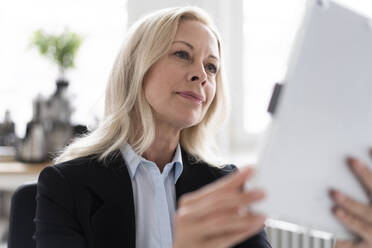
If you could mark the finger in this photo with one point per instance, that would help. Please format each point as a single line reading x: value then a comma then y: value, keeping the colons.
x: 219, y: 204
x: 344, y: 244
x: 355, y: 224
x: 350, y: 244
x: 358, y: 209
x: 236, y: 181
x: 229, y: 239
x: 233, y: 181
x: 227, y: 224
x: 363, y: 174
x: 363, y: 245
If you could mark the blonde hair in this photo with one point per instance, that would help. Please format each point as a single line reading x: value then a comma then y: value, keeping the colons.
x: 127, y: 115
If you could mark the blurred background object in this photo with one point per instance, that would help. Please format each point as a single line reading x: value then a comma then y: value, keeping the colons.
x: 257, y: 37
x: 52, y: 82
x: 50, y: 128
x: 8, y: 138
x: 7, y: 131
x: 61, y: 48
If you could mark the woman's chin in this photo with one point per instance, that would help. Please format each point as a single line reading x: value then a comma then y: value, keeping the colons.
x: 182, y: 119
x: 186, y: 123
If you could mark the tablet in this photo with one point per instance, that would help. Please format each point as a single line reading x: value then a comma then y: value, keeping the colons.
x: 323, y: 115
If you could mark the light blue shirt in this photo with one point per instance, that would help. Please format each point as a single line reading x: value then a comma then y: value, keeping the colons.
x: 154, y: 197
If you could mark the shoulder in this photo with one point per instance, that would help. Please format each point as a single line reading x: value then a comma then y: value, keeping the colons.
x: 71, y: 167
x: 200, y: 173
x: 79, y: 180
x: 57, y: 178
x: 56, y: 185
x: 85, y: 167
x: 214, y: 171
x: 198, y: 166
x: 80, y: 172
x: 222, y: 171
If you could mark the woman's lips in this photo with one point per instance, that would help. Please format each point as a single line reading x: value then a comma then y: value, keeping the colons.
x: 191, y: 96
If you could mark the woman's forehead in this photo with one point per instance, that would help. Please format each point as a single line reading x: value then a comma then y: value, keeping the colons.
x: 198, y: 35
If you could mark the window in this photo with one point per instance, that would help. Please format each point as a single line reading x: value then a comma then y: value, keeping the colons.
x: 270, y: 28
x: 24, y: 73
x: 269, y: 32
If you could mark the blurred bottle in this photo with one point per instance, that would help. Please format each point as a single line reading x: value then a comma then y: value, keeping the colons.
x: 7, y: 131
x: 33, y: 147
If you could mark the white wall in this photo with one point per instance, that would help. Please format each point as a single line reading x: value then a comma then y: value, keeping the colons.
x: 24, y: 73
x: 228, y: 16
x: 257, y: 37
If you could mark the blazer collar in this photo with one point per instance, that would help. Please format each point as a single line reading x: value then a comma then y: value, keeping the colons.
x: 118, y: 213
x: 192, y: 178
x: 133, y: 161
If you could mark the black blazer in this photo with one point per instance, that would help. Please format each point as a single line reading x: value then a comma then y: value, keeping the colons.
x: 88, y: 203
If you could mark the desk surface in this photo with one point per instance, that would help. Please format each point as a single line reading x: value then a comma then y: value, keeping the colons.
x: 14, y: 173
x: 15, y: 167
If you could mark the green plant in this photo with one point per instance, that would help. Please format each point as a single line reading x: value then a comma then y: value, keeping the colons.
x: 61, y: 49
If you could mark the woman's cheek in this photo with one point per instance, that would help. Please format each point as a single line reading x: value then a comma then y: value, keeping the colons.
x: 213, y: 91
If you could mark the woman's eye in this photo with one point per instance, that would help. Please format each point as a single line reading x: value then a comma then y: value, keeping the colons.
x: 212, y: 68
x: 182, y: 54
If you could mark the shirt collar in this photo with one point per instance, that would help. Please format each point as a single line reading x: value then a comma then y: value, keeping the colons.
x: 177, y: 161
x: 133, y: 160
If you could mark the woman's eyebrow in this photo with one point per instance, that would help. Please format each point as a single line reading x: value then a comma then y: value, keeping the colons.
x: 192, y: 48
x: 184, y: 42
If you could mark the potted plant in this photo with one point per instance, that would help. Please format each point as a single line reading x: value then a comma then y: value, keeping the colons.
x: 50, y: 128
x: 61, y: 49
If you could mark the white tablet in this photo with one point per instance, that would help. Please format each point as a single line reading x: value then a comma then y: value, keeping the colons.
x: 323, y: 115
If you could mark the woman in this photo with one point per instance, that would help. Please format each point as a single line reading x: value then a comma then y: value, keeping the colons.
x: 355, y: 215
x: 129, y: 183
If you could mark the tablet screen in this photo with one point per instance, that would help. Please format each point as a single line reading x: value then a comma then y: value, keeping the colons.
x: 324, y: 115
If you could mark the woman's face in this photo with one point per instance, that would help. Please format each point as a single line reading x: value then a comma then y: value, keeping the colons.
x: 181, y: 85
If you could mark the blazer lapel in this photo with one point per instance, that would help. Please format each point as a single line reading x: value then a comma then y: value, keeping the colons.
x: 194, y: 176
x: 114, y: 221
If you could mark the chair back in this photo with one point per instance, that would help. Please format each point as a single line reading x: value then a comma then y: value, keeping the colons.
x: 22, y: 213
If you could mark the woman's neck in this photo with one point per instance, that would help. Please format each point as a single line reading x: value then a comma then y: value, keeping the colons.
x: 162, y: 149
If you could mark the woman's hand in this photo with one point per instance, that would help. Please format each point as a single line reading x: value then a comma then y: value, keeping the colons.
x: 355, y: 215
x: 215, y: 215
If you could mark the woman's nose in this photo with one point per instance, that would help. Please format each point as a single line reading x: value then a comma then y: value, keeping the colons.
x: 198, y: 74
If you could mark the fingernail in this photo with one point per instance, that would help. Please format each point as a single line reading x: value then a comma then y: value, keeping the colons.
x: 242, y: 211
x: 247, y: 170
x: 339, y: 196
x: 354, y: 164
x: 336, y: 195
x: 332, y: 192
x: 349, y: 161
x: 258, y: 193
x: 339, y: 212
x: 334, y: 209
x: 357, y: 165
x: 260, y: 218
